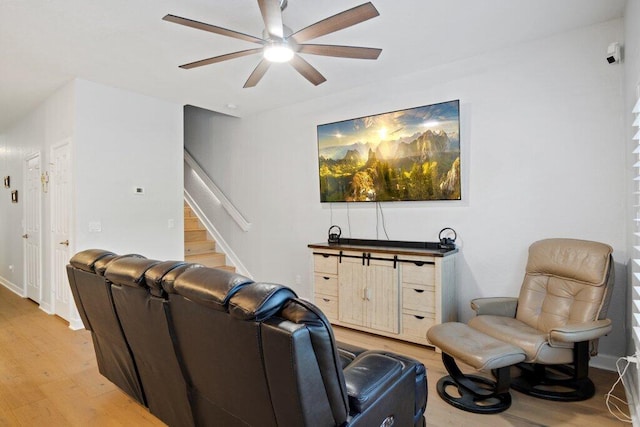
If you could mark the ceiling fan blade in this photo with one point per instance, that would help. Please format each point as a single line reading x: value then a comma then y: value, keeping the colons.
x: 221, y: 58
x: 272, y: 17
x: 212, y: 28
x: 307, y: 71
x: 340, y: 51
x: 337, y: 22
x: 257, y: 74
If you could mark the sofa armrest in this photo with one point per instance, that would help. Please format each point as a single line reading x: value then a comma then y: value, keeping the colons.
x: 368, y: 377
x: 348, y: 353
x: 496, y: 306
x: 580, y: 332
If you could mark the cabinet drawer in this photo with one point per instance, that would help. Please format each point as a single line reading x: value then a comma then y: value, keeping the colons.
x: 417, y: 297
x: 328, y: 304
x: 418, y: 274
x: 325, y: 264
x: 414, y: 325
x: 326, y: 284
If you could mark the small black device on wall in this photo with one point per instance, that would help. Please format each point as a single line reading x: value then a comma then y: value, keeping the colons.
x: 7, y: 181
x: 334, y: 234
x: 14, y: 196
x: 447, y: 238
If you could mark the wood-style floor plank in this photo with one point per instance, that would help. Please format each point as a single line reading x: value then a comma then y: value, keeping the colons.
x: 48, y: 376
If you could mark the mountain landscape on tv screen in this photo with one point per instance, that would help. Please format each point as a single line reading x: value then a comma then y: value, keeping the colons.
x: 423, y: 166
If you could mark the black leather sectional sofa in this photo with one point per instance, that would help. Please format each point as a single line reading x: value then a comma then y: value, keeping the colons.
x: 206, y: 347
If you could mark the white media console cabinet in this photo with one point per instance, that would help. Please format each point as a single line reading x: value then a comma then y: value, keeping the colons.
x: 397, y: 292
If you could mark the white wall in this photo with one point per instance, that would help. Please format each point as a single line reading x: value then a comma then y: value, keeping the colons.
x: 542, y: 140
x: 120, y: 140
x: 126, y: 140
x: 50, y: 123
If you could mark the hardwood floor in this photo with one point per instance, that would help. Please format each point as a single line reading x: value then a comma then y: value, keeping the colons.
x: 524, y: 411
x: 48, y: 376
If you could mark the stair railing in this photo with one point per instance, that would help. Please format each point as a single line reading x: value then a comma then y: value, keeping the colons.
x: 197, y: 200
x: 217, y: 194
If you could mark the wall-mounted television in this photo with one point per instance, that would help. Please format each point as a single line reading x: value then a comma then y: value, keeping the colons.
x: 405, y: 155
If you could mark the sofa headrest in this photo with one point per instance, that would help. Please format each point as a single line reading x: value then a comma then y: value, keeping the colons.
x: 128, y: 271
x: 211, y: 287
x: 169, y: 279
x: 300, y: 311
x: 259, y: 301
x: 102, y: 264
x: 86, y: 259
x: 153, y: 276
x: 579, y: 260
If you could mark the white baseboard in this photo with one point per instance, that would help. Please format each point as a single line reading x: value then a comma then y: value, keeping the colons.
x: 12, y: 287
x: 604, y: 361
x: 46, y: 307
x: 76, y: 325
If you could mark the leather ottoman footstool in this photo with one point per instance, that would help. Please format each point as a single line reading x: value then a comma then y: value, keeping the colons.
x: 484, y: 353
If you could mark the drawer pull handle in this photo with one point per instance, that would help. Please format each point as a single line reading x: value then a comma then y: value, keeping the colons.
x: 419, y: 290
x: 419, y: 263
x: 326, y: 278
x: 325, y: 255
x: 326, y: 300
x: 418, y: 317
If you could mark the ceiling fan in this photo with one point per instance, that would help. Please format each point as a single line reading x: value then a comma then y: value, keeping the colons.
x: 280, y: 44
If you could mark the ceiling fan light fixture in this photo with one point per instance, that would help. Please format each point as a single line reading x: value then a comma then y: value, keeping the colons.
x: 278, y: 52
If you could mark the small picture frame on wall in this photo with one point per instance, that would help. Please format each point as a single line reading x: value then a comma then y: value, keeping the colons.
x: 14, y: 196
x: 7, y: 181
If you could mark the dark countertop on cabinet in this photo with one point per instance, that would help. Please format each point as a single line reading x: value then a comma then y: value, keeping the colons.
x: 384, y: 249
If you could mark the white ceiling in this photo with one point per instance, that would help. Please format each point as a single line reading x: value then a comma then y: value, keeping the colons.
x: 126, y: 44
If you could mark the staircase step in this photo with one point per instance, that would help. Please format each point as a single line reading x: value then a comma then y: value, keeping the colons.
x: 210, y: 259
x: 198, y: 247
x: 195, y: 235
x: 192, y: 223
x: 188, y: 212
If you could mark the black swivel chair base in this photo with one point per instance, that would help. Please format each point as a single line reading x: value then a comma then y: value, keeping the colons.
x: 475, y: 393
x: 555, y: 382
x: 560, y: 383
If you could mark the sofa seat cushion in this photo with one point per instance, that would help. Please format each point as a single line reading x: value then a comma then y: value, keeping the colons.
x: 535, y: 343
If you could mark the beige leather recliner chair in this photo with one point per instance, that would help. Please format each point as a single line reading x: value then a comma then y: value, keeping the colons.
x: 556, y: 322
x: 558, y: 317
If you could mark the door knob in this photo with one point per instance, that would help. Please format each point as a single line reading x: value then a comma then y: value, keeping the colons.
x: 66, y: 242
x: 25, y: 236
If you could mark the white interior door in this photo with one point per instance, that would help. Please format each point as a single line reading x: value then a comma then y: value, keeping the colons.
x: 32, y: 236
x: 61, y: 212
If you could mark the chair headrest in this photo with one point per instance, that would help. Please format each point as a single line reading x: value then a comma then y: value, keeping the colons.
x: 169, y: 279
x: 86, y: 259
x: 129, y: 271
x: 154, y: 275
x: 211, y: 287
x: 259, y: 301
x: 579, y: 260
x: 300, y: 311
x: 102, y: 264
